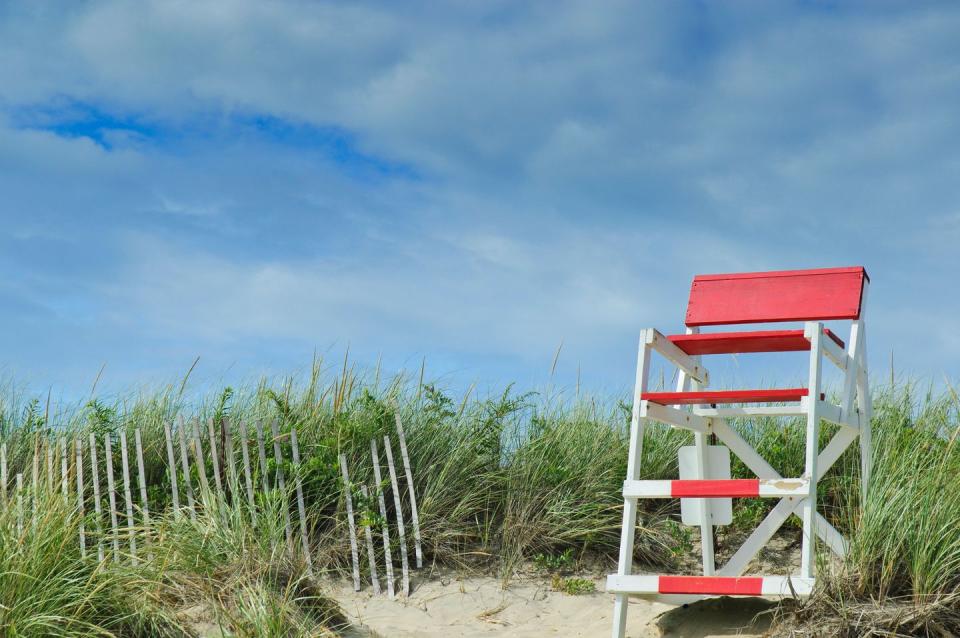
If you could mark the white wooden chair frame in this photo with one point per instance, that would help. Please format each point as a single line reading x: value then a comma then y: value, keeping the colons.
x: 797, y: 496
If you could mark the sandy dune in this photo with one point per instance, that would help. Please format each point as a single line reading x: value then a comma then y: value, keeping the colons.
x: 480, y: 607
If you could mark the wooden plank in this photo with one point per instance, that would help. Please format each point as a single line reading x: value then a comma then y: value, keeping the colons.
x: 247, y: 475
x: 128, y: 496
x: 230, y: 458
x: 807, y: 548
x: 371, y: 555
x: 395, y: 486
x: 213, y: 456
x: 301, y: 509
x: 412, y: 491
x: 35, y: 482
x: 3, y: 471
x: 49, y: 447
x: 375, y: 457
x: 281, y: 484
x: 706, y: 397
x: 95, y: 481
x: 354, y: 554
x: 672, y: 416
x: 172, y: 464
x: 764, y: 297
x: 141, y: 475
x: 746, y: 342
x: 64, y: 472
x: 19, y: 503
x: 201, y: 464
x: 80, y: 495
x: 263, y: 457
x: 111, y: 491
x: 185, y: 464
x: 690, y: 365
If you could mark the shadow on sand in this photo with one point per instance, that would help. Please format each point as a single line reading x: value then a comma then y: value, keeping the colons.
x: 718, y: 617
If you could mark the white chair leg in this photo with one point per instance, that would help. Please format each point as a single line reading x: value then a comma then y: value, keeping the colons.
x: 814, y: 332
x: 634, y: 456
x: 706, y: 519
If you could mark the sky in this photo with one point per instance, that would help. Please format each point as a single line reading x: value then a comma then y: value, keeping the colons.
x: 473, y: 184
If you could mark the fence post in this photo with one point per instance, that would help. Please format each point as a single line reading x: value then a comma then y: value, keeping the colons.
x: 138, y: 446
x: 394, y: 484
x: 128, y: 496
x: 96, y: 494
x: 354, y: 554
x: 172, y: 464
x: 83, y: 534
x: 113, y: 499
x: 383, y: 514
x: 295, y: 447
x: 281, y: 483
x: 413, y: 494
x: 371, y: 555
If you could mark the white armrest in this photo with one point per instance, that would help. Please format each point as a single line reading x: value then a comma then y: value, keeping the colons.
x: 677, y: 356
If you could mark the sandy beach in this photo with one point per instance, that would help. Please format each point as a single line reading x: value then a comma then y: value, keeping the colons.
x: 482, y: 607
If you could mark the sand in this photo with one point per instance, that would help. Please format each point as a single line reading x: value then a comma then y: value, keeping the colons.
x: 481, y: 607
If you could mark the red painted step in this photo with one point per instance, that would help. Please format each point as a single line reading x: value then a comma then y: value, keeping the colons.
x: 716, y: 585
x: 744, y: 342
x: 704, y: 397
x: 715, y: 488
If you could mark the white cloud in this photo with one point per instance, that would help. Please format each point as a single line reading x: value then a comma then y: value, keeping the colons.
x: 575, y: 164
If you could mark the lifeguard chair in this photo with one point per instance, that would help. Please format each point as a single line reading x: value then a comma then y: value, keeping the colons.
x: 809, y: 296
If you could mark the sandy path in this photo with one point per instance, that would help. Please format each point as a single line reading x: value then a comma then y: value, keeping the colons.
x: 480, y: 607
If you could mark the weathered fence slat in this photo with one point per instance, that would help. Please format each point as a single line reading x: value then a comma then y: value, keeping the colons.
x: 354, y: 554
x: 211, y: 431
x: 35, y: 475
x: 19, y: 503
x: 201, y: 465
x: 230, y: 457
x: 394, y: 484
x: 138, y: 446
x: 298, y: 479
x: 111, y: 489
x: 128, y: 496
x: 281, y: 484
x: 413, y: 495
x: 64, y: 472
x: 49, y: 448
x: 247, y: 476
x: 371, y: 555
x: 95, y: 480
x: 263, y: 457
x: 78, y: 444
x: 3, y: 470
x: 185, y: 464
x: 172, y: 464
x: 383, y: 514
x: 35, y: 480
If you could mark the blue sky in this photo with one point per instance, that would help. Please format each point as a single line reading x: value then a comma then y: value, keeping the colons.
x: 473, y: 183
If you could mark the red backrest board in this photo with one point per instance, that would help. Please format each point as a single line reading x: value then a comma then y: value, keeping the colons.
x: 786, y: 295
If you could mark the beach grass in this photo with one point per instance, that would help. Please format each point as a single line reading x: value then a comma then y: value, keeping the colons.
x: 504, y: 480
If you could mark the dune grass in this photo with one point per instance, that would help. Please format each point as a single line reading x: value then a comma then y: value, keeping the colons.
x: 502, y: 479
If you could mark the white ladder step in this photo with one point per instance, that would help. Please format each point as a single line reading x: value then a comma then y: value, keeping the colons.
x: 717, y: 488
x: 788, y: 586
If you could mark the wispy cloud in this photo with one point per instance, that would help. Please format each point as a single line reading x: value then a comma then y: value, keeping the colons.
x: 474, y: 183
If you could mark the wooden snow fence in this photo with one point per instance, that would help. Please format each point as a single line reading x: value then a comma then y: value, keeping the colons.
x: 118, y: 519
x: 374, y: 516
x: 105, y: 478
x: 210, y: 465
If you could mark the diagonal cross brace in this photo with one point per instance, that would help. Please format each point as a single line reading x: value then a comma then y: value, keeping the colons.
x: 787, y: 506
